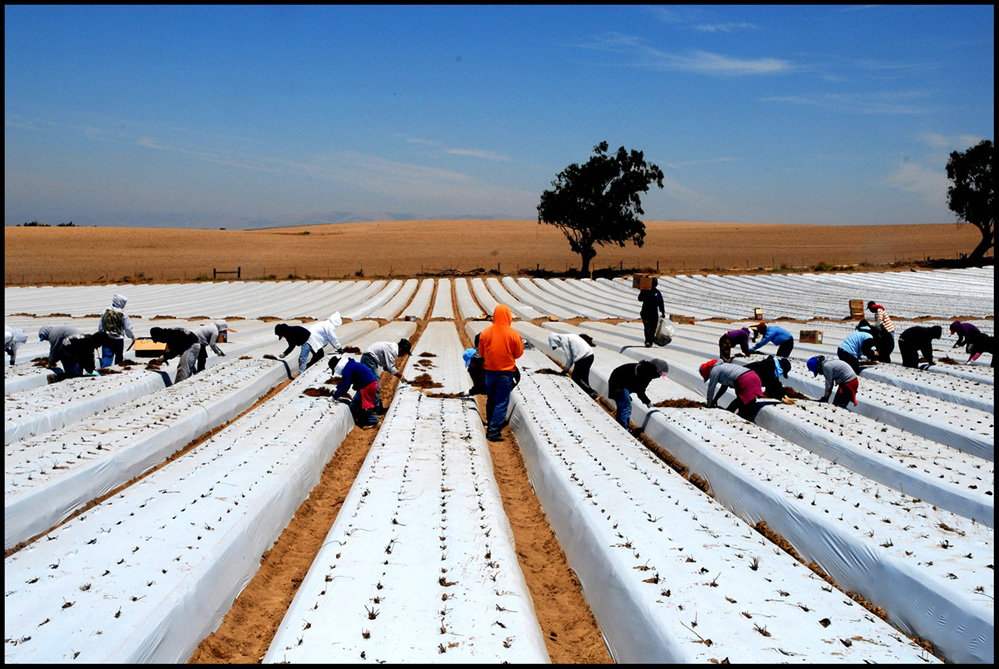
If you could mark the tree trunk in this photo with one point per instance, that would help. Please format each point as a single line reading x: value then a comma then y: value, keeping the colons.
x: 988, y: 241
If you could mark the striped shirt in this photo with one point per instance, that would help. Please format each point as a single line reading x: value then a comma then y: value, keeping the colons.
x: 881, y: 318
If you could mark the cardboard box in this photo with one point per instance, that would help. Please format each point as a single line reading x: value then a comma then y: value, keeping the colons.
x: 642, y: 282
x: 856, y: 308
x: 147, y: 348
x: 810, y: 337
x: 758, y: 314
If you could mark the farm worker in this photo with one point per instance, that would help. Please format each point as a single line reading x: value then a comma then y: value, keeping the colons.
x: 966, y: 333
x: 777, y: 335
x: 12, y: 340
x: 578, y: 353
x: 771, y: 370
x: 918, y: 340
x: 116, y: 324
x: 383, y: 354
x: 744, y: 382
x: 295, y: 335
x: 983, y: 343
x: 500, y: 346
x: 69, y: 347
x: 652, y: 309
x: 633, y: 377
x: 884, y: 331
x: 323, y: 334
x: 207, y: 336
x: 836, y: 372
x: 365, y: 384
x: 859, y: 343
x: 182, y: 344
x: 473, y: 363
x: 728, y: 340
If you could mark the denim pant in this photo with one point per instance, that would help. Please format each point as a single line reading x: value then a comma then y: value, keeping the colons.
x: 623, y: 401
x: 499, y: 385
x: 112, y: 352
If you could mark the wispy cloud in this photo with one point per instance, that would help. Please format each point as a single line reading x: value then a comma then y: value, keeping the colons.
x: 954, y: 142
x: 860, y: 103
x: 485, y: 155
x: 724, y: 27
x: 699, y: 62
x: 931, y: 184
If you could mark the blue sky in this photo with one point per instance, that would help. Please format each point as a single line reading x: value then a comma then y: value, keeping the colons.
x: 253, y: 116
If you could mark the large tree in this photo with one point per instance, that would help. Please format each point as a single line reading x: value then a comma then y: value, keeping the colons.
x: 599, y: 202
x: 971, y: 195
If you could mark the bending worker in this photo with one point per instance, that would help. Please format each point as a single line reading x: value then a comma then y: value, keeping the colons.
x: 325, y: 333
x: 500, y: 346
x: 918, y: 340
x: 744, y: 382
x: 179, y: 342
x: 777, y: 335
x: 365, y: 384
x: 578, y: 353
x: 116, y: 325
x: 633, y: 377
x: 12, y: 340
x: 295, y: 335
x: 207, y: 336
x: 730, y: 339
x: 836, y: 372
x: 858, y: 344
x: 383, y: 354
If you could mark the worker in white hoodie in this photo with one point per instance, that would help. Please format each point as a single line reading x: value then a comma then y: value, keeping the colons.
x: 322, y: 334
x: 578, y: 353
x: 208, y: 336
x: 116, y: 324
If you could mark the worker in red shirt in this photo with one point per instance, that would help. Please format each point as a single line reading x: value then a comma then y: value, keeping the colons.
x: 500, y: 346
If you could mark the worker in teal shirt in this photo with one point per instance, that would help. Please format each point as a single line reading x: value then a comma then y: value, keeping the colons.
x: 783, y: 339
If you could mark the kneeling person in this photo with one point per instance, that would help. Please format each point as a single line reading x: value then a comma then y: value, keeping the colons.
x: 365, y: 385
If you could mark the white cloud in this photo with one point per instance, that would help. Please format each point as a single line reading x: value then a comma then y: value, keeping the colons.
x: 952, y: 143
x: 725, y: 27
x: 486, y: 155
x: 700, y: 62
x: 930, y: 183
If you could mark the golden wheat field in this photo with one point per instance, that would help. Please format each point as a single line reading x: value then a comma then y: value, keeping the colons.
x: 65, y: 255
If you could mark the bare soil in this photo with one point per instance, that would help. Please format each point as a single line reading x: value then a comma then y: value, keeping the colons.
x: 70, y: 255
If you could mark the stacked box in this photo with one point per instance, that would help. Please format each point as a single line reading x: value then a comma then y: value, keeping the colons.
x: 642, y: 282
x: 856, y: 308
x: 810, y: 337
x: 147, y: 348
x: 758, y: 314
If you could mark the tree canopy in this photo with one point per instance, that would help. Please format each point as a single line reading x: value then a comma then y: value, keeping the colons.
x: 971, y: 195
x: 599, y: 202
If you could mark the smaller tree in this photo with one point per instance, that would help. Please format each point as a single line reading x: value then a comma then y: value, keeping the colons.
x: 599, y: 202
x: 971, y: 195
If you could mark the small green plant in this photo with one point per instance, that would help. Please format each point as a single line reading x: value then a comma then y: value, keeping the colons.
x: 823, y: 267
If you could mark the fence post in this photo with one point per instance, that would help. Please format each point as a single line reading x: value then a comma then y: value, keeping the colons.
x: 214, y: 273
x: 239, y: 272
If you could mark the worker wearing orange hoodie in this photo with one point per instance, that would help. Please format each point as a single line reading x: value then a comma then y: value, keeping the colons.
x: 500, y: 346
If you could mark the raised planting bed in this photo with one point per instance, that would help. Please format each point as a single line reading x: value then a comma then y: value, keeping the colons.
x: 670, y: 575
x: 145, y: 575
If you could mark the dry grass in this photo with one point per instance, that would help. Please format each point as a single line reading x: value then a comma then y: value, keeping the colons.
x: 60, y: 255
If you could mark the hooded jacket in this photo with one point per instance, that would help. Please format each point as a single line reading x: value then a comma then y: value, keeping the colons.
x: 635, y: 377
x: 12, y: 340
x: 208, y: 335
x: 325, y: 333
x: 384, y: 354
x: 499, y: 344
x: 118, y: 304
x: 573, y: 347
x: 854, y: 343
x: 56, y: 336
x: 724, y: 373
x: 739, y: 338
x: 354, y: 375
x: 177, y: 340
x: 966, y: 332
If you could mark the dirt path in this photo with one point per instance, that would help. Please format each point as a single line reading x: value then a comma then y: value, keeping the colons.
x: 570, y: 630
